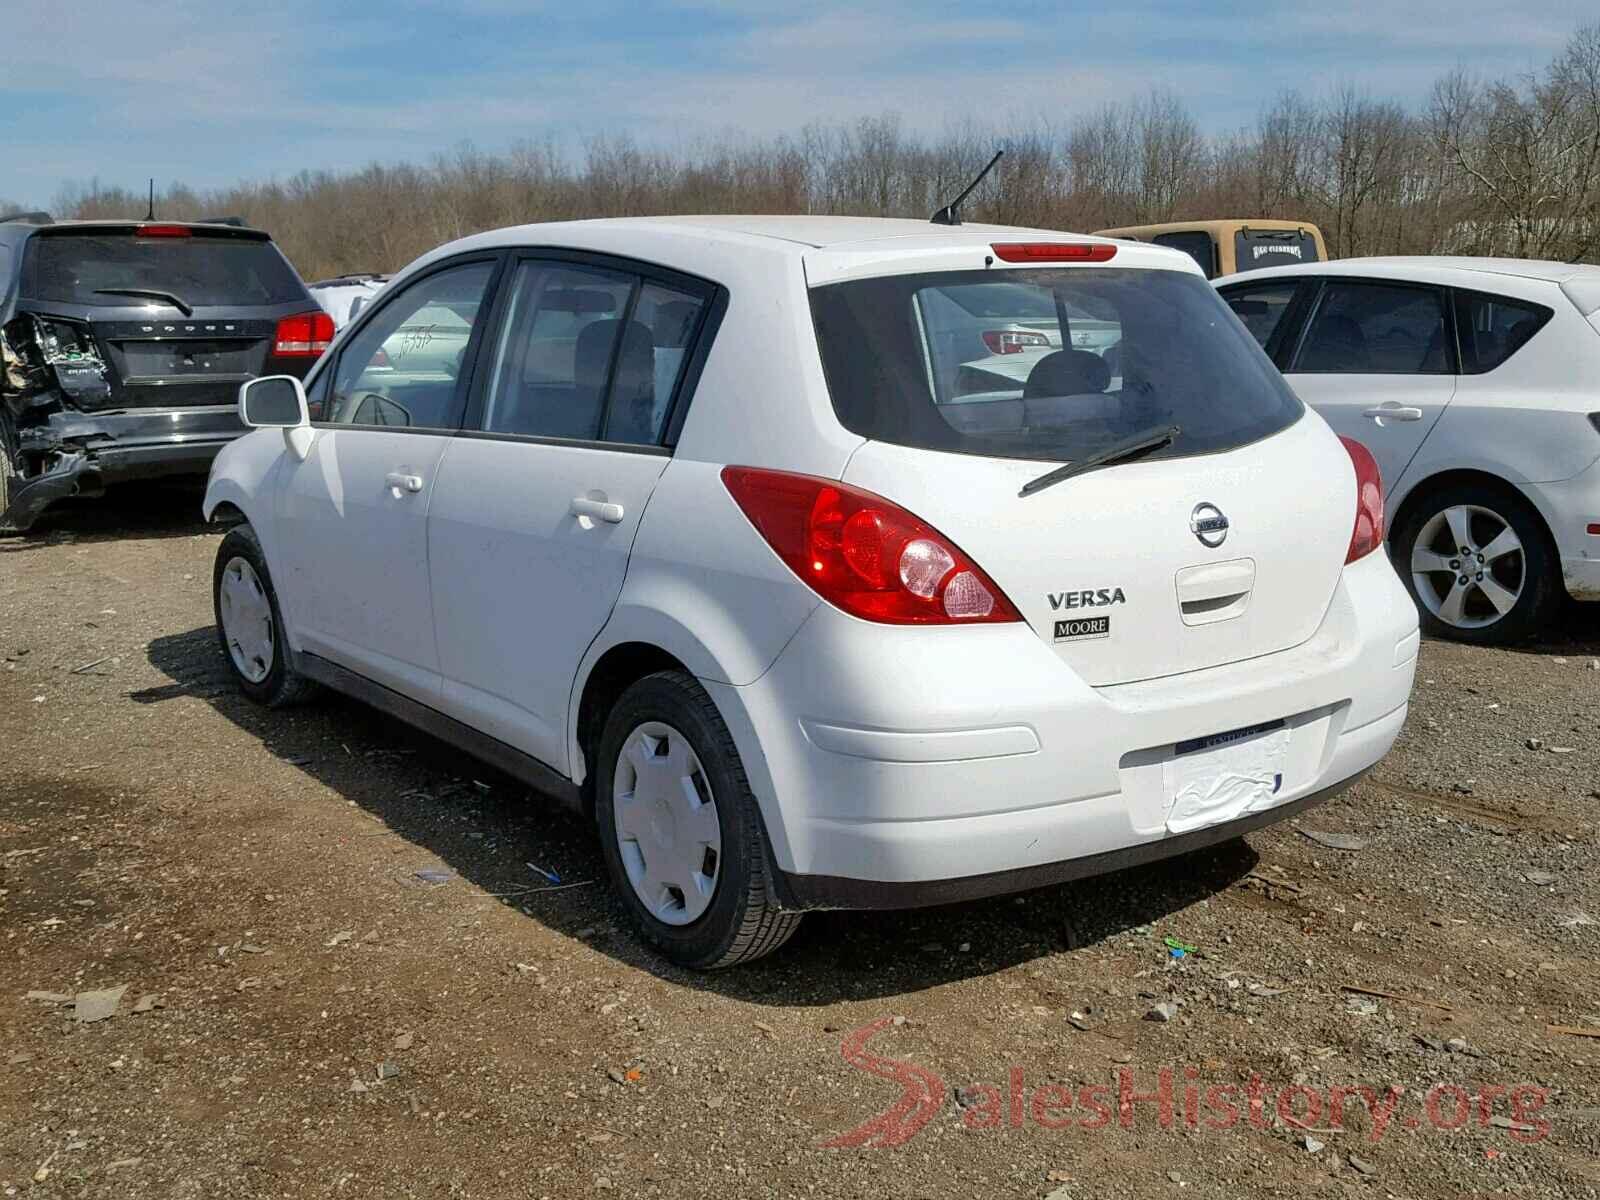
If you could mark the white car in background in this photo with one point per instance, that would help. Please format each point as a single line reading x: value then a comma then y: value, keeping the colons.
x: 1475, y: 382
x: 345, y: 295
x: 692, y: 538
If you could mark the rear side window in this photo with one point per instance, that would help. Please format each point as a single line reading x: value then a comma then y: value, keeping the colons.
x: 1253, y: 248
x: 1493, y: 328
x: 199, y: 270
x: 1362, y: 328
x: 1119, y: 352
x: 1197, y: 244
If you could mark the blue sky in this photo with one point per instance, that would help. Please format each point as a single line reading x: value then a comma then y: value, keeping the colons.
x: 187, y: 91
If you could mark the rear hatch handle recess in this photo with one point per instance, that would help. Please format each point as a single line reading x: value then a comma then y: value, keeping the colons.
x: 1128, y: 448
x: 148, y: 294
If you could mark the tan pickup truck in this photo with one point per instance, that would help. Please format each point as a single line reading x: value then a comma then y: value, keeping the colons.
x: 1227, y: 247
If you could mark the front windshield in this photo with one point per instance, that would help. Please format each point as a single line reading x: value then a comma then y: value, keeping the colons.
x: 1046, y: 364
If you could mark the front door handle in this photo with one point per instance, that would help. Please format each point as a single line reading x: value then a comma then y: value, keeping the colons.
x: 1393, y: 412
x: 598, y: 510
x: 401, y: 482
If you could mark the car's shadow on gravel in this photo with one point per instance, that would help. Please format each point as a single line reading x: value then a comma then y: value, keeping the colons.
x: 474, y: 824
x: 153, y: 509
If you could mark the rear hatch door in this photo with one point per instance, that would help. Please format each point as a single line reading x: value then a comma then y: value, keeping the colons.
x: 132, y: 320
x: 1225, y: 542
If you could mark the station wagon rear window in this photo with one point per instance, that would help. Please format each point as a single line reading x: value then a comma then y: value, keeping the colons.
x: 69, y: 268
x: 1119, y: 351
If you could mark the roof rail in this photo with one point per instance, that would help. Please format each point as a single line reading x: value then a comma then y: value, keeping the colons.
x: 27, y: 218
x: 236, y: 222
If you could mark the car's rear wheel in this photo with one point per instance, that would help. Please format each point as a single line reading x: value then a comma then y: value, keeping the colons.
x: 681, y: 832
x: 250, y: 624
x: 1478, y: 562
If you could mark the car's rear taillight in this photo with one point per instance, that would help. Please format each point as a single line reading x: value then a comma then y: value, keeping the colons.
x: 163, y: 231
x: 865, y: 555
x: 1012, y: 341
x: 1367, y: 535
x: 304, y: 335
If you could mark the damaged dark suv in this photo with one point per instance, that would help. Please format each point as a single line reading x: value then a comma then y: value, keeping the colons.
x: 123, y: 345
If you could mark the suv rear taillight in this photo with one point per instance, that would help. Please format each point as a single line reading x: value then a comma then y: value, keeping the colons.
x: 1012, y: 341
x: 304, y: 335
x: 1367, y: 535
x: 865, y: 555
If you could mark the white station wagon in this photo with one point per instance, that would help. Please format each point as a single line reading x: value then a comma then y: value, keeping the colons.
x: 698, y: 533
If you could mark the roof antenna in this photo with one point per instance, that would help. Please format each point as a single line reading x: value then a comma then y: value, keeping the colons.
x: 950, y: 214
x: 151, y: 215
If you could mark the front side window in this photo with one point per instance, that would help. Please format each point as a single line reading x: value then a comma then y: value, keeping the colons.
x: 1362, y: 328
x: 1493, y: 328
x: 404, y: 367
x: 1095, y: 355
x: 1261, y: 306
x: 589, y: 354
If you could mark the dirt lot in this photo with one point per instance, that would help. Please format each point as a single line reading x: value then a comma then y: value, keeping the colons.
x: 320, y: 1019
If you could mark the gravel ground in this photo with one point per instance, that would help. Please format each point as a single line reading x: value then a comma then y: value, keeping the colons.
x: 307, y: 1013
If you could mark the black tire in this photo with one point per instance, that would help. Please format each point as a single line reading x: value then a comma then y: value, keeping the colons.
x: 743, y: 921
x: 283, y: 685
x: 1537, y: 562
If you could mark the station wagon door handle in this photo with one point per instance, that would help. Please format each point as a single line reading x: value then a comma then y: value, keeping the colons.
x: 401, y: 482
x: 1393, y: 412
x: 598, y: 510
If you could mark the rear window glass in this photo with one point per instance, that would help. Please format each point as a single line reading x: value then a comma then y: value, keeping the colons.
x: 78, y: 269
x: 1254, y: 248
x: 1493, y: 328
x: 1118, y: 352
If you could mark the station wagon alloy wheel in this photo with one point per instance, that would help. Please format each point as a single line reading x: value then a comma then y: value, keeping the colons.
x: 668, y: 833
x: 246, y: 615
x: 1468, y: 566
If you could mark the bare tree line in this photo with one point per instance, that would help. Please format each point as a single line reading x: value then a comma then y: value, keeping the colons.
x: 1483, y: 167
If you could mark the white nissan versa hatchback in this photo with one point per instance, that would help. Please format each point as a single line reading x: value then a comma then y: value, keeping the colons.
x: 695, y: 531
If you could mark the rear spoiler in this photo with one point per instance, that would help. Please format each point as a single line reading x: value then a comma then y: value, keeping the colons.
x: 202, y: 228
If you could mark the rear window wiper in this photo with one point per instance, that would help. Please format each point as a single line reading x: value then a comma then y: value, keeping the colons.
x: 1131, y: 447
x: 148, y: 293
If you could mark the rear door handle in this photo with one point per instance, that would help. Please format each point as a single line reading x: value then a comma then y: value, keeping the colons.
x: 1393, y: 412
x: 401, y: 482
x: 599, y: 510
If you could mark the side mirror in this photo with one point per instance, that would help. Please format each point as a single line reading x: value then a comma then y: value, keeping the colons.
x: 273, y: 402
x: 278, y: 402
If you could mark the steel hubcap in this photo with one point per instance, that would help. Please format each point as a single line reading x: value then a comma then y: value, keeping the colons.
x: 246, y: 620
x: 1468, y: 566
x: 668, y: 833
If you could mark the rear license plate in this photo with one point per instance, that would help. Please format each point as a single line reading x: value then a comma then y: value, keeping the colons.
x: 1222, y: 777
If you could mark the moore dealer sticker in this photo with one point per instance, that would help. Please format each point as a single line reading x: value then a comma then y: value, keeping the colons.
x: 1082, y: 628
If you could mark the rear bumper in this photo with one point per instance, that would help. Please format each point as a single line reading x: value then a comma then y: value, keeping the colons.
x: 904, y: 766
x: 1569, y: 507
x: 85, y: 451
x: 833, y: 891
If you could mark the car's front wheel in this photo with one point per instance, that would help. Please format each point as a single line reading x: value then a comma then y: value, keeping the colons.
x: 681, y: 831
x: 1478, y: 562
x: 250, y: 623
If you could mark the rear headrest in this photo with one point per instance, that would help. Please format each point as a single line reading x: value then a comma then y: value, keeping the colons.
x: 635, y: 359
x: 1067, y: 373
